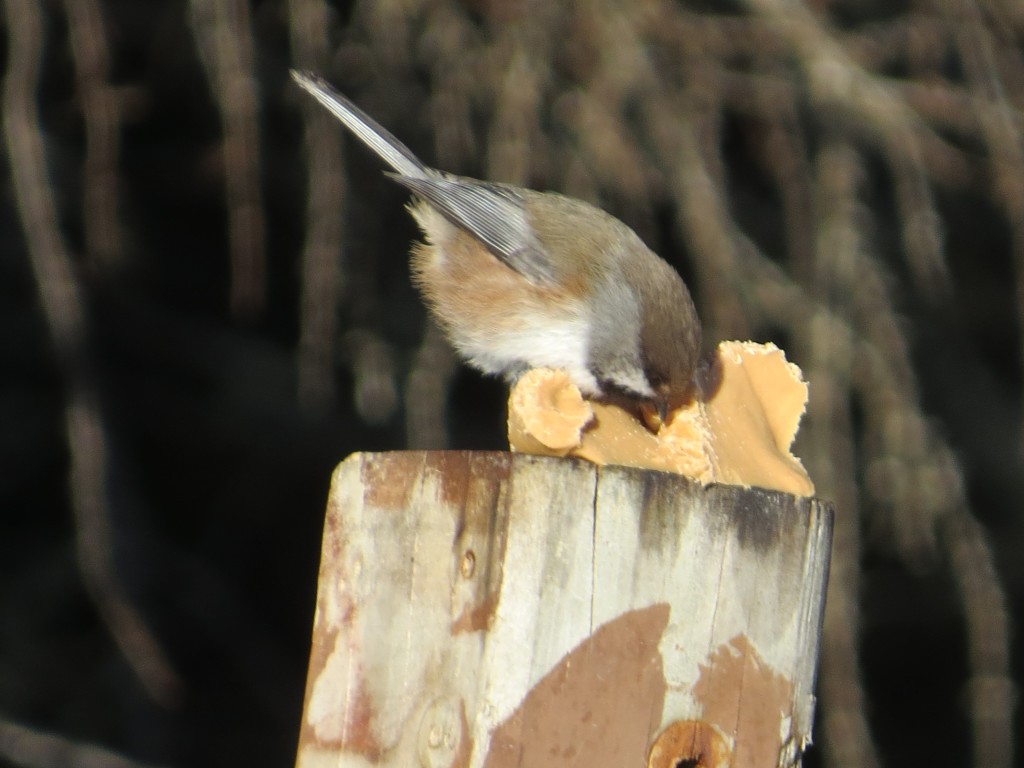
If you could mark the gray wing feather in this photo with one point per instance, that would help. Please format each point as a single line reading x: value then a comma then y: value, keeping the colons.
x: 495, y: 215
x: 373, y: 134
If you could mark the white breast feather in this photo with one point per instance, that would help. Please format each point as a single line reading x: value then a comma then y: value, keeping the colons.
x: 538, y: 343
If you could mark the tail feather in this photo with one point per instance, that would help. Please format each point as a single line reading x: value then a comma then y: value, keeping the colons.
x: 373, y: 134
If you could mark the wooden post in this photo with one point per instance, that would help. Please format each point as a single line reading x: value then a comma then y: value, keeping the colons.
x: 499, y: 610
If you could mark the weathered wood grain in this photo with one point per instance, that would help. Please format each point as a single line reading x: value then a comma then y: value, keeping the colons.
x: 494, y: 609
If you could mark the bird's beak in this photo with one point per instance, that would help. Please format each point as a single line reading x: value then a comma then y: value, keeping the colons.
x: 661, y: 405
x: 653, y: 413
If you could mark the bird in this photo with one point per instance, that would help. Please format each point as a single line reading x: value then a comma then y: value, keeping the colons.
x: 521, y: 279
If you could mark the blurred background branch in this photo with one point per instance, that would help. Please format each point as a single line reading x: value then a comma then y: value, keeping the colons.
x: 63, y: 308
x: 208, y: 305
x: 25, y: 746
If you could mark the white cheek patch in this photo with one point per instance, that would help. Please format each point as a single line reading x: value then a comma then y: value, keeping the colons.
x: 631, y: 380
x: 615, y: 338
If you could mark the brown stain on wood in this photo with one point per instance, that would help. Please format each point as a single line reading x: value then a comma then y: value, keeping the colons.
x: 461, y: 759
x: 451, y: 471
x: 332, y: 545
x: 598, y: 707
x: 358, y: 729
x: 353, y: 722
x: 690, y: 743
x: 323, y: 643
x: 325, y: 636
x: 477, y: 617
x: 355, y: 728
x: 747, y: 700
x: 387, y: 479
x: 481, y: 537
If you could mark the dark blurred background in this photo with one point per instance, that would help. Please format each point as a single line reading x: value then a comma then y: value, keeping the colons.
x: 206, y: 306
